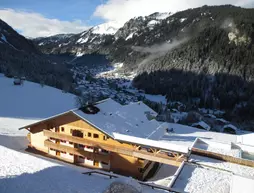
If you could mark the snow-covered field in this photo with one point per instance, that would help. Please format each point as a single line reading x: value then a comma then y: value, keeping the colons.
x: 23, y: 172
x: 30, y: 102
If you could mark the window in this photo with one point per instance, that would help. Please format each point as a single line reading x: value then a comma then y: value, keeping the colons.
x: 62, y: 129
x: 104, y: 151
x: 104, y: 137
x: 70, y: 143
x: 95, y: 135
x: 71, y: 154
x: 89, y: 134
x: 81, y: 146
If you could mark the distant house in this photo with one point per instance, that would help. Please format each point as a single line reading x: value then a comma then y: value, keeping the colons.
x: 17, y: 81
x: 201, y: 125
x: 210, y: 116
x: 221, y: 121
x: 229, y: 128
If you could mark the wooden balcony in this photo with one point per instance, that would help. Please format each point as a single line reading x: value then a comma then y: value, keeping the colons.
x: 78, y: 152
x: 134, y: 152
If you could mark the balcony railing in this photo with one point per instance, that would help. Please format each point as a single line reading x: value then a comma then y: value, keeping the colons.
x: 151, y: 156
x: 75, y: 151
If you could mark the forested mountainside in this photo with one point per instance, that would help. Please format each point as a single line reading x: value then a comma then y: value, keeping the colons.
x: 20, y: 57
x: 205, y: 53
x: 212, y: 39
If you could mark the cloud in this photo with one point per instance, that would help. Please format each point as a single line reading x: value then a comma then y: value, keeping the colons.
x: 36, y: 25
x: 159, y: 48
x: 123, y: 10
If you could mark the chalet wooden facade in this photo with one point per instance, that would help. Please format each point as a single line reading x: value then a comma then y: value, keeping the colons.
x: 71, y: 138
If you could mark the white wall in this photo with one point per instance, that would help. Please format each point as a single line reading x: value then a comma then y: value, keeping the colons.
x: 67, y: 143
x: 52, y: 140
x: 103, y: 166
x: 89, y: 162
x: 37, y: 140
x: 67, y: 156
x: 52, y: 152
x: 89, y: 149
x: 247, y: 139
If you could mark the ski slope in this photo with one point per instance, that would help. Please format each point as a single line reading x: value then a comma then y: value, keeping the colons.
x: 22, y: 105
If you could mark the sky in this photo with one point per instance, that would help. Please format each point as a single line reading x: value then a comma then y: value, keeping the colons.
x: 38, y: 18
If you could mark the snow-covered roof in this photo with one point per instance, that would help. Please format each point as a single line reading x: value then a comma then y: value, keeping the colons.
x: 215, y: 147
x: 186, y: 135
x: 195, y: 178
x: 230, y: 126
x: 128, y: 119
x: 221, y: 120
x: 198, y: 179
x: 239, y: 183
x: 128, y: 123
x: 234, y: 168
x: 202, y: 124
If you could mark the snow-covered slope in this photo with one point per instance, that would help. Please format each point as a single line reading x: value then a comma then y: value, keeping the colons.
x: 106, y: 28
x: 24, y: 173
x: 21, y: 105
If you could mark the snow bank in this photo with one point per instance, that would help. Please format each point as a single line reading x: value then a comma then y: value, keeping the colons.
x: 28, y: 103
x: 24, y: 173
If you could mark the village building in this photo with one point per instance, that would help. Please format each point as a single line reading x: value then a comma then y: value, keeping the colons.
x: 201, y: 125
x: 127, y: 140
x: 229, y: 128
x: 106, y: 136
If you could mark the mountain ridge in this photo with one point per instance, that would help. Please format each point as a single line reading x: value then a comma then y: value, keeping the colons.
x: 214, y: 44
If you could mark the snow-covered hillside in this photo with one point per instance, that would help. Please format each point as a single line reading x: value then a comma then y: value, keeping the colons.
x: 21, y: 172
x: 24, y: 173
x: 106, y: 28
x: 21, y: 105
